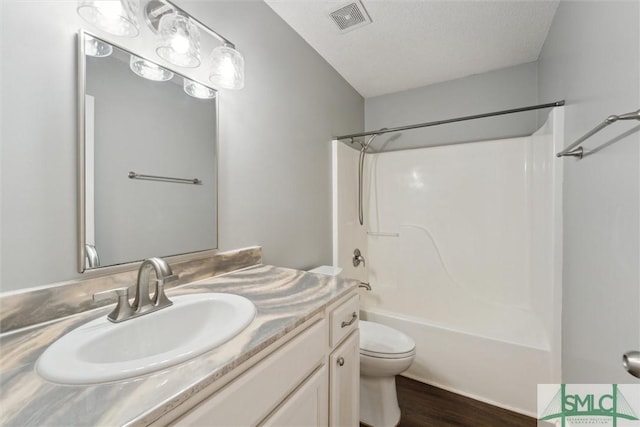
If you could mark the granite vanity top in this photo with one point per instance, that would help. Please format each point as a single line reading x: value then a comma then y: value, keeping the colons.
x: 284, y: 299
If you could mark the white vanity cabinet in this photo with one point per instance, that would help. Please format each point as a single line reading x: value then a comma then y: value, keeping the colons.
x: 310, y: 377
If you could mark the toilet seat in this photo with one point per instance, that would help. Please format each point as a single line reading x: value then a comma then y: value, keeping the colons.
x: 388, y: 355
x: 383, y: 342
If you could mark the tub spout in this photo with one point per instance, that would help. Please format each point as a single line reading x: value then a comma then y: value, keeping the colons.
x: 365, y: 285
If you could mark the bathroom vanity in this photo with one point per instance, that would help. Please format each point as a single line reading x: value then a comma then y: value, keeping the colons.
x: 297, y: 363
x: 309, y: 378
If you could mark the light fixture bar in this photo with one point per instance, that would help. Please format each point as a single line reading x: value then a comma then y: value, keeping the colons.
x: 201, y: 24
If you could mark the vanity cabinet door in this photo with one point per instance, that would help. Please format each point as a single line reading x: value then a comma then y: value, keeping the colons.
x: 259, y: 392
x: 307, y: 406
x: 344, y: 383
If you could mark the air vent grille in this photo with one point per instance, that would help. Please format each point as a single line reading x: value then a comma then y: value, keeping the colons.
x: 350, y: 17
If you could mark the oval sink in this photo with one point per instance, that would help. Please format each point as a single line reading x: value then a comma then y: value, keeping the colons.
x: 101, y: 351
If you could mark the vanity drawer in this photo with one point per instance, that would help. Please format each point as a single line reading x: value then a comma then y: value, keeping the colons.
x: 343, y: 320
x: 252, y: 396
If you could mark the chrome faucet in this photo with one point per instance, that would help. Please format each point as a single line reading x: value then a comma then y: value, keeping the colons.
x: 143, y: 302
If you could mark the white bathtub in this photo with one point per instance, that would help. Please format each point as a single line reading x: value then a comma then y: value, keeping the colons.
x: 501, y: 373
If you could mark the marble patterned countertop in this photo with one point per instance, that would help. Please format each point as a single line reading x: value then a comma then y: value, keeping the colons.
x: 284, y: 299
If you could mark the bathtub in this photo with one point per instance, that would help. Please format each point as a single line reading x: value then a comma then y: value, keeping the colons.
x: 501, y: 373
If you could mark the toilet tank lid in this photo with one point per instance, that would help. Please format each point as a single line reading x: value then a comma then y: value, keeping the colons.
x: 327, y: 270
x: 378, y: 338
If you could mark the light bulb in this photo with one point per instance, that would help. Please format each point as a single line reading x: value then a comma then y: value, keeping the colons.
x: 226, y: 69
x: 180, y: 44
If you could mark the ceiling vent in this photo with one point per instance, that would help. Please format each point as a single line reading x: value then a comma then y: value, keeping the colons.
x: 350, y: 16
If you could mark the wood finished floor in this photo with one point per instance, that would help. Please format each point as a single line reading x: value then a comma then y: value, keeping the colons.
x: 427, y: 406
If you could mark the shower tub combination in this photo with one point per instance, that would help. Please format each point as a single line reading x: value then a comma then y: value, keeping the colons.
x: 463, y: 251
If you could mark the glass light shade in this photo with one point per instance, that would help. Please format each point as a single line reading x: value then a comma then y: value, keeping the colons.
x: 197, y: 90
x: 227, y: 68
x: 117, y: 17
x: 149, y: 70
x: 97, y: 48
x: 179, y: 40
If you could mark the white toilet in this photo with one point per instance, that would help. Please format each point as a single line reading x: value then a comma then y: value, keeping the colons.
x: 384, y: 353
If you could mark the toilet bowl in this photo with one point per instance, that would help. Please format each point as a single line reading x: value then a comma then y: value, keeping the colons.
x: 384, y: 353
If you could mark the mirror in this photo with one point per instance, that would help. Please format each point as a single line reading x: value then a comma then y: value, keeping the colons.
x: 147, y: 158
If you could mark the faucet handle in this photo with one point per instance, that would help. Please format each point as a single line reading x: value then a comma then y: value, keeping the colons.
x: 123, y: 309
x: 358, y: 258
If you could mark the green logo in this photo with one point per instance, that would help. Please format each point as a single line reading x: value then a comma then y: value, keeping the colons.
x: 588, y: 407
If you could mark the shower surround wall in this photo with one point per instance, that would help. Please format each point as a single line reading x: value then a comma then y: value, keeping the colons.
x: 463, y: 250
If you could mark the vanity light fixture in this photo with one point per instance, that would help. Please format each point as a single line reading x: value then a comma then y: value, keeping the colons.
x: 97, y: 48
x: 178, y: 35
x: 198, y: 90
x: 179, y: 40
x: 149, y: 70
x: 117, y: 17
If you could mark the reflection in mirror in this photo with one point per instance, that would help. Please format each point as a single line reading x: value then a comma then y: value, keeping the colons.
x: 148, y: 159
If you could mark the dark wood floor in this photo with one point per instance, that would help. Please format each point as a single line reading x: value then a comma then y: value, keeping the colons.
x: 427, y: 406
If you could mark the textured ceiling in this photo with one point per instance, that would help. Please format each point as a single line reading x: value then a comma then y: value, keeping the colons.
x: 413, y: 43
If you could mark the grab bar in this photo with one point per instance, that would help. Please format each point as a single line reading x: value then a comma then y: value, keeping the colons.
x: 578, y: 152
x: 134, y: 175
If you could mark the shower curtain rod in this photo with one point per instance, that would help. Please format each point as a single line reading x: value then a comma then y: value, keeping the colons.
x: 458, y: 119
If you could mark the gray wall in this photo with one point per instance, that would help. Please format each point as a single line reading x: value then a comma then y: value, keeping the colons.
x: 591, y: 58
x: 274, y: 174
x: 502, y: 89
x: 151, y: 128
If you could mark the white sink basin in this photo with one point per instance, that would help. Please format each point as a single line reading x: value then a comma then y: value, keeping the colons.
x: 102, y: 351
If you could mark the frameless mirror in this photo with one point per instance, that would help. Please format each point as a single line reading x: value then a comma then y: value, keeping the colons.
x: 147, y: 159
